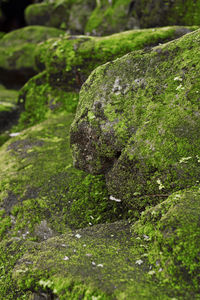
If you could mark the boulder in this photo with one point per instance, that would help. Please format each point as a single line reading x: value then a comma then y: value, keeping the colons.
x: 17, y: 53
x: 155, y: 258
x: 115, y: 16
x: 172, y: 237
x: 65, y: 14
x: 70, y: 59
x: 42, y: 195
x: 138, y: 123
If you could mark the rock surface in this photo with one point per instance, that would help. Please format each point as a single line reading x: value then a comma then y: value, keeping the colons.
x: 68, y: 61
x: 17, y: 58
x: 115, y: 16
x: 69, y: 15
x: 110, y: 261
x: 131, y: 230
x: 138, y: 122
x: 105, y: 17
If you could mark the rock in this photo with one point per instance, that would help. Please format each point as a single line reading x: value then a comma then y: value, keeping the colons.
x: 137, y: 122
x: 65, y: 64
x: 69, y: 15
x: 17, y: 56
x: 115, y: 16
x: 70, y: 59
x: 48, y: 13
x: 54, y: 194
x: 173, y: 237
x: 108, y: 261
x: 42, y: 195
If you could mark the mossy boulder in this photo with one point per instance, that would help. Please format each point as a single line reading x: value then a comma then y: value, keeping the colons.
x: 37, y: 99
x: 172, y: 234
x: 70, y: 59
x: 156, y: 258
x: 66, y: 14
x: 17, y: 53
x: 39, y: 184
x: 137, y: 122
x: 42, y: 195
x: 119, y: 15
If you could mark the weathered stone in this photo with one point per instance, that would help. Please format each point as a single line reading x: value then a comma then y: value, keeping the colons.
x: 17, y: 53
x: 138, y: 123
x: 42, y: 195
x: 110, y: 261
x: 66, y: 14
x: 120, y: 15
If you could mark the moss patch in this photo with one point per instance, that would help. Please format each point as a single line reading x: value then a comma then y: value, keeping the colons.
x: 103, y: 262
x: 17, y: 52
x: 122, y: 15
x: 172, y: 239
x: 138, y: 123
x: 69, y: 60
x: 40, y: 186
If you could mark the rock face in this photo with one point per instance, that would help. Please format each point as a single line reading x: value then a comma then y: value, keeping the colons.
x: 65, y: 63
x: 69, y: 15
x: 114, y: 16
x: 172, y: 235
x: 17, y: 56
x: 138, y: 123
x: 104, y: 17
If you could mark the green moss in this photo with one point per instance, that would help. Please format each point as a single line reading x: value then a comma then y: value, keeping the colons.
x: 17, y: 52
x: 48, y: 13
x: 122, y: 15
x: 39, y: 100
x: 40, y: 189
x: 138, y: 123
x: 69, y: 60
x: 67, y: 14
x: 173, y: 239
x: 103, y: 262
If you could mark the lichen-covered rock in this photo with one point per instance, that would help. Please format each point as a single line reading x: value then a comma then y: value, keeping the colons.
x: 109, y: 262
x: 42, y: 195
x: 173, y: 238
x: 38, y: 98
x: 17, y: 53
x: 70, y: 59
x: 65, y: 14
x: 138, y: 123
x: 39, y: 187
x: 114, y: 16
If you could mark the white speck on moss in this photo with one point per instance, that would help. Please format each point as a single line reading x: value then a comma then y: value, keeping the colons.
x: 78, y: 236
x: 115, y: 199
x: 66, y: 258
x: 139, y: 262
